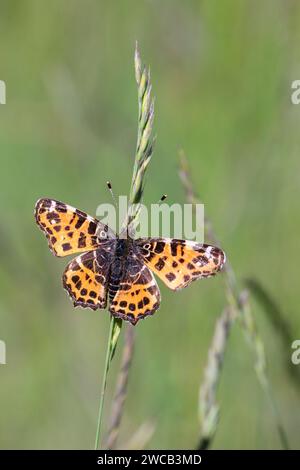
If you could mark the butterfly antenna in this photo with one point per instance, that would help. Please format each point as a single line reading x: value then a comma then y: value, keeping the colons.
x: 164, y: 196
x: 111, y: 192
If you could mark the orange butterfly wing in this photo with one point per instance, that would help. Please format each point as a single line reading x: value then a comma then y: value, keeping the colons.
x: 179, y: 262
x: 69, y: 230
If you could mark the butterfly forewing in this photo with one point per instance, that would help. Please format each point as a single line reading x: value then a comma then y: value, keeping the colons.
x: 138, y: 294
x: 67, y: 229
x: 179, y: 262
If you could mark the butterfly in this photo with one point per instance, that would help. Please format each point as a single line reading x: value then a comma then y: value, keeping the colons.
x: 119, y: 271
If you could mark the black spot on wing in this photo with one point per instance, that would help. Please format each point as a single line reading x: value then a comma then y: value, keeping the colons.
x: 66, y: 246
x: 92, y: 228
x: 159, y: 247
x: 160, y: 264
x: 79, y: 222
x: 170, y: 277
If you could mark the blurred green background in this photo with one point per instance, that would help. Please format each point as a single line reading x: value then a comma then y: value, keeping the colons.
x: 221, y: 74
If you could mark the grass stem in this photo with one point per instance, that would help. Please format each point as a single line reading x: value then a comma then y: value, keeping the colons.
x: 104, y: 381
x: 241, y: 311
x: 143, y: 154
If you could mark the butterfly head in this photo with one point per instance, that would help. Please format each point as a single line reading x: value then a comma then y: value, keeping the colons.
x: 123, y: 247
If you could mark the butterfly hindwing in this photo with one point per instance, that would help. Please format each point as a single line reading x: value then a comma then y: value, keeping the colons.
x: 69, y: 230
x: 86, y: 277
x: 138, y: 294
x: 179, y: 262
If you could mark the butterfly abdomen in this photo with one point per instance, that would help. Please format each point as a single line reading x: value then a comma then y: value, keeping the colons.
x: 117, y: 267
x: 115, y: 277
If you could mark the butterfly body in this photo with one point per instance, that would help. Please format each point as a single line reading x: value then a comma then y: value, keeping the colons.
x: 119, y: 271
x: 123, y: 250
